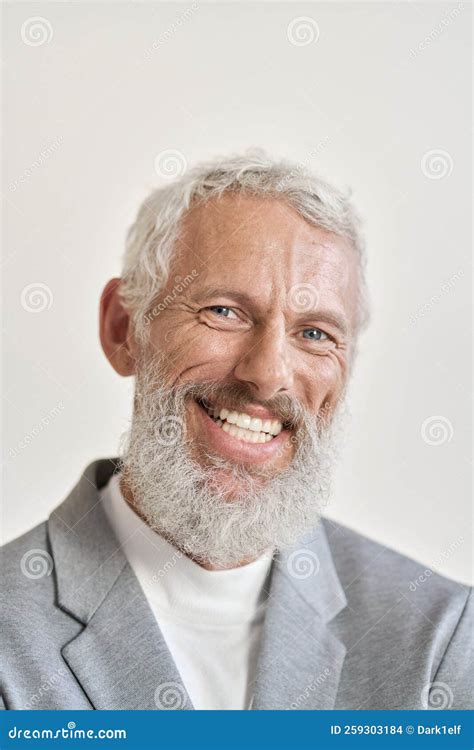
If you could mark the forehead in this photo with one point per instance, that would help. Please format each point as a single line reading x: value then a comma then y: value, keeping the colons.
x: 263, y: 246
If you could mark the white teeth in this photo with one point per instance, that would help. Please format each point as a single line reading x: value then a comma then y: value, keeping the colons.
x: 255, y: 424
x: 275, y: 427
x: 245, y: 427
x: 247, y: 436
x: 243, y: 420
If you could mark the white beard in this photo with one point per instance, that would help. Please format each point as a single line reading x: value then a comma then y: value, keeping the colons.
x: 186, y: 501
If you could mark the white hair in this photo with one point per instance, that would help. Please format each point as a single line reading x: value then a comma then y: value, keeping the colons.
x: 151, y: 239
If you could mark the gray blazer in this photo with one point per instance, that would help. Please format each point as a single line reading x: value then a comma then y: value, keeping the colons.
x: 349, y: 624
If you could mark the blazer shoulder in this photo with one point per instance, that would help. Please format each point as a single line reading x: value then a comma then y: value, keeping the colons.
x: 27, y: 566
x: 368, y: 566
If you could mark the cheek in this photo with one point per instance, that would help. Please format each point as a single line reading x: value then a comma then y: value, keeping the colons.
x: 194, y: 345
x: 324, y: 380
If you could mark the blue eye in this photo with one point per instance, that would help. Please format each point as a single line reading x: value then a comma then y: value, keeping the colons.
x: 315, y: 334
x: 222, y: 311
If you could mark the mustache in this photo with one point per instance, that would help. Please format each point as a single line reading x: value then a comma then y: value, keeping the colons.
x: 153, y: 384
x: 236, y: 396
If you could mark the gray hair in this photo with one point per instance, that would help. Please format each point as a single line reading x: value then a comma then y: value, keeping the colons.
x: 151, y: 239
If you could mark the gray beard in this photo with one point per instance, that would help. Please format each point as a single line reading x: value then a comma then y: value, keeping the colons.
x: 188, y: 503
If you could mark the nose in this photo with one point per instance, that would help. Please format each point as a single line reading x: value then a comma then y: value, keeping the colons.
x: 266, y: 366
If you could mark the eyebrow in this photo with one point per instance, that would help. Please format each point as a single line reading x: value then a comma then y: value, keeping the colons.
x: 215, y: 291
x: 330, y: 316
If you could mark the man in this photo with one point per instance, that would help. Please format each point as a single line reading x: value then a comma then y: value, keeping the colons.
x: 195, y: 571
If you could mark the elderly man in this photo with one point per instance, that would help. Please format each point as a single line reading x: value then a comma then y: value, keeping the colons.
x: 195, y: 571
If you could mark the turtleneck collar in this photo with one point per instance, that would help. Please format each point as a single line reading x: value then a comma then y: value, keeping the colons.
x: 176, y: 585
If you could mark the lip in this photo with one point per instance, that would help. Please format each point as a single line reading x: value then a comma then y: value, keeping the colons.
x: 233, y: 448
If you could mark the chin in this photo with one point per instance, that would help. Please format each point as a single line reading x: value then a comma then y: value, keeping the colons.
x: 231, y: 487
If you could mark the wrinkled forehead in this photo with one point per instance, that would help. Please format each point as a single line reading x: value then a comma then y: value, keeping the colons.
x: 264, y: 246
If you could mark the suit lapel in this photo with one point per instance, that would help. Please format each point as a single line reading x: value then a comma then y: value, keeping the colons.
x: 120, y: 658
x: 300, y: 660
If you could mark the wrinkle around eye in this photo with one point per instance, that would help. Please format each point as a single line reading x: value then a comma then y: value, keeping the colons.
x: 221, y: 322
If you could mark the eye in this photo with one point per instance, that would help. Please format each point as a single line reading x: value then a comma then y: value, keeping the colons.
x: 222, y: 312
x: 315, y: 334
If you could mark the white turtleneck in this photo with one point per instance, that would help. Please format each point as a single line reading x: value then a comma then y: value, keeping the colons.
x: 210, y: 620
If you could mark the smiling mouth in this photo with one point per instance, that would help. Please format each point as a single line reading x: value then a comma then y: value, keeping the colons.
x: 243, y: 426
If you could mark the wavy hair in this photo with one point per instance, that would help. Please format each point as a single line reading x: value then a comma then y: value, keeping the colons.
x: 151, y: 238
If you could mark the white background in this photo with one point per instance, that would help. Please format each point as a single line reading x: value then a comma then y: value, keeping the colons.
x: 364, y: 103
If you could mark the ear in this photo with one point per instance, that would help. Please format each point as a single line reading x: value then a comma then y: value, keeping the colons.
x: 115, y: 330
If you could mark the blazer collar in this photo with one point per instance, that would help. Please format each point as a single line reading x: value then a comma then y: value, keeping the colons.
x: 300, y: 659
x: 96, y: 585
x: 88, y: 558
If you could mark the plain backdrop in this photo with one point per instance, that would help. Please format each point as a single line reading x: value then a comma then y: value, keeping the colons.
x: 371, y: 95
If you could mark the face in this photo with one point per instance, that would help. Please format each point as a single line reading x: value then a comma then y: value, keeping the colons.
x: 239, y: 385
x: 268, y: 312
